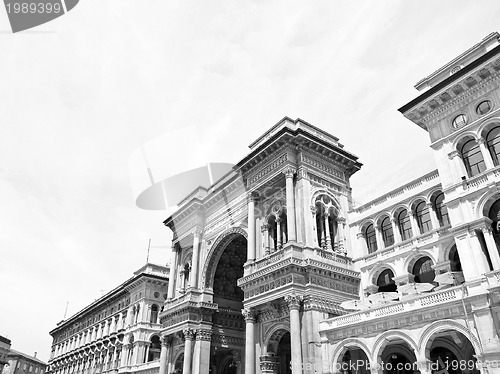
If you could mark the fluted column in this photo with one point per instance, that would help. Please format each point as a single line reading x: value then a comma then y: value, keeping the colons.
x: 251, y: 228
x: 395, y: 230
x: 328, y: 238
x: 249, y: 315
x: 188, y: 339
x: 341, y: 234
x: 171, y: 276
x: 265, y: 234
x: 294, y: 302
x: 488, y: 161
x: 414, y: 225
x: 290, y: 206
x: 195, y: 260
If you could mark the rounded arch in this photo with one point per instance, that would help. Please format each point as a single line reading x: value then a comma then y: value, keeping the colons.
x: 433, y: 193
x: 380, y: 217
x: 397, y: 209
x: 412, y: 204
x: 426, y: 338
x: 343, y: 346
x: 487, y: 125
x: 415, y: 256
x: 387, y: 337
x: 466, y: 136
x: 186, y: 256
x: 378, y: 269
x: 216, y: 251
x: 276, y: 208
x: 484, y: 204
x: 274, y: 335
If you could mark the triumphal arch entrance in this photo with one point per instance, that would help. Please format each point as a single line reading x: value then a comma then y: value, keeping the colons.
x: 260, y: 257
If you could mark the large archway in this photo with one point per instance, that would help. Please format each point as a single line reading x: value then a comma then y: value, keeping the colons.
x: 228, y: 322
x: 398, y: 357
x: 354, y: 361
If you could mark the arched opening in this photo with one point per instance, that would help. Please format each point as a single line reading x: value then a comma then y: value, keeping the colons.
x: 404, y: 224
x: 493, y: 143
x: 494, y: 215
x: 423, y: 271
x: 423, y: 217
x: 229, y: 298
x: 154, y: 348
x: 387, y: 233
x: 453, y: 352
x: 179, y: 362
x: 186, y: 270
x: 454, y: 258
x: 326, y: 222
x: 385, y: 281
x: 471, y: 156
x: 154, y: 314
x: 441, y: 209
x: 398, y: 358
x: 355, y: 361
x: 284, y: 354
x: 371, y: 238
x: 278, y: 232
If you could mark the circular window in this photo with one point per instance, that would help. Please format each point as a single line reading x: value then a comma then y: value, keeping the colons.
x: 459, y: 121
x: 483, y: 107
x: 157, y: 295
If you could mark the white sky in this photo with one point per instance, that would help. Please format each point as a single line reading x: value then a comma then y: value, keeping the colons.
x: 80, y: 94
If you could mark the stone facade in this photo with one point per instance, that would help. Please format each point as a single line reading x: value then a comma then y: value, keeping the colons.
x: 21, y: 363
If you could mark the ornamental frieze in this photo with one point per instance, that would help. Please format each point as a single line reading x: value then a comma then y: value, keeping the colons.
x: 227, y: 340
x: 266, y: 169
x: 322, y: 166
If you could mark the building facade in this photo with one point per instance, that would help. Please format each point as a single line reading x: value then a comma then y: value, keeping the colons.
x: 21, y: 363
x: 119, y: 332
x: 4, y: 352
x: 266, y: 261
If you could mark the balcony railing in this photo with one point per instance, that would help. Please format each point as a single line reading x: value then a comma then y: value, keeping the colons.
x: 444, y: 296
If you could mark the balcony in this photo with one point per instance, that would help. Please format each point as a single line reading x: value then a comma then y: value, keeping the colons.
x: 409, y: 306
x: 152, y: 367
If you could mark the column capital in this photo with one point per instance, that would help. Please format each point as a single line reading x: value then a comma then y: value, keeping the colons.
x: 313, y: 210
x: 252, y: 196
x: 188, y: 333
x: 279, y: 219
x: 264, y: 227
x: 341, y: 220
x: 481, y: 140
x: 430, y: 205
x: 360, y: 235
x: 197, y: 231
x: 204, y: 334
x: 293, y: 300
x: 487, y: 230
x: 249, y: 314
x: 175, y: 247
x: 289, y: 172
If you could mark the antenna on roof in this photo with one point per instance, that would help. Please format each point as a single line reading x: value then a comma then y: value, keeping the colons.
x: 149, y: 246
x: 66, y: 311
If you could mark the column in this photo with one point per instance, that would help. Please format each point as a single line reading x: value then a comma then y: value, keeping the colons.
x: 315, y: 234
x: 378, y: 235
x: 414, y: 225
x: 278, y: 234
x: 488, y: 161
x: 251, y: 228
x: 165, y: 346
x: 188, y: 342
x: 434, y: 217
x: 195, y: 260
x: 249, y: 315
x: 290, y: 205
x: 362, y: 244
x: 171, y: 276
x: 125, y: 350
x: 201, y: 353
x: 181, y: 281
x: 265, y: 233
x: 328, y: 239
x: 492, y: 247
x: 293, y: 300
x: 395, y: 230
x: 341, y: 234
x: 146, y: 353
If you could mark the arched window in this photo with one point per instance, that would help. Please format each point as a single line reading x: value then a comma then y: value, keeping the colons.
x: 154, y: 314
x: 441, y: 210
x: 154, y: 348
x: 385, y: 281
x: 493, y: 142
x: 423, y: 217
x: 186, y: 271
x: 404, y: 225
x: 423, y: 271
x: 371, y: 238
x: 454, y: 258
x: 387, y: 233
x: 326, y: 222
x: 472, y: 157
x: 278, y: 233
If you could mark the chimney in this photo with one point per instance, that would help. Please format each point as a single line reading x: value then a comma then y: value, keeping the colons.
x: 34, y: 355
